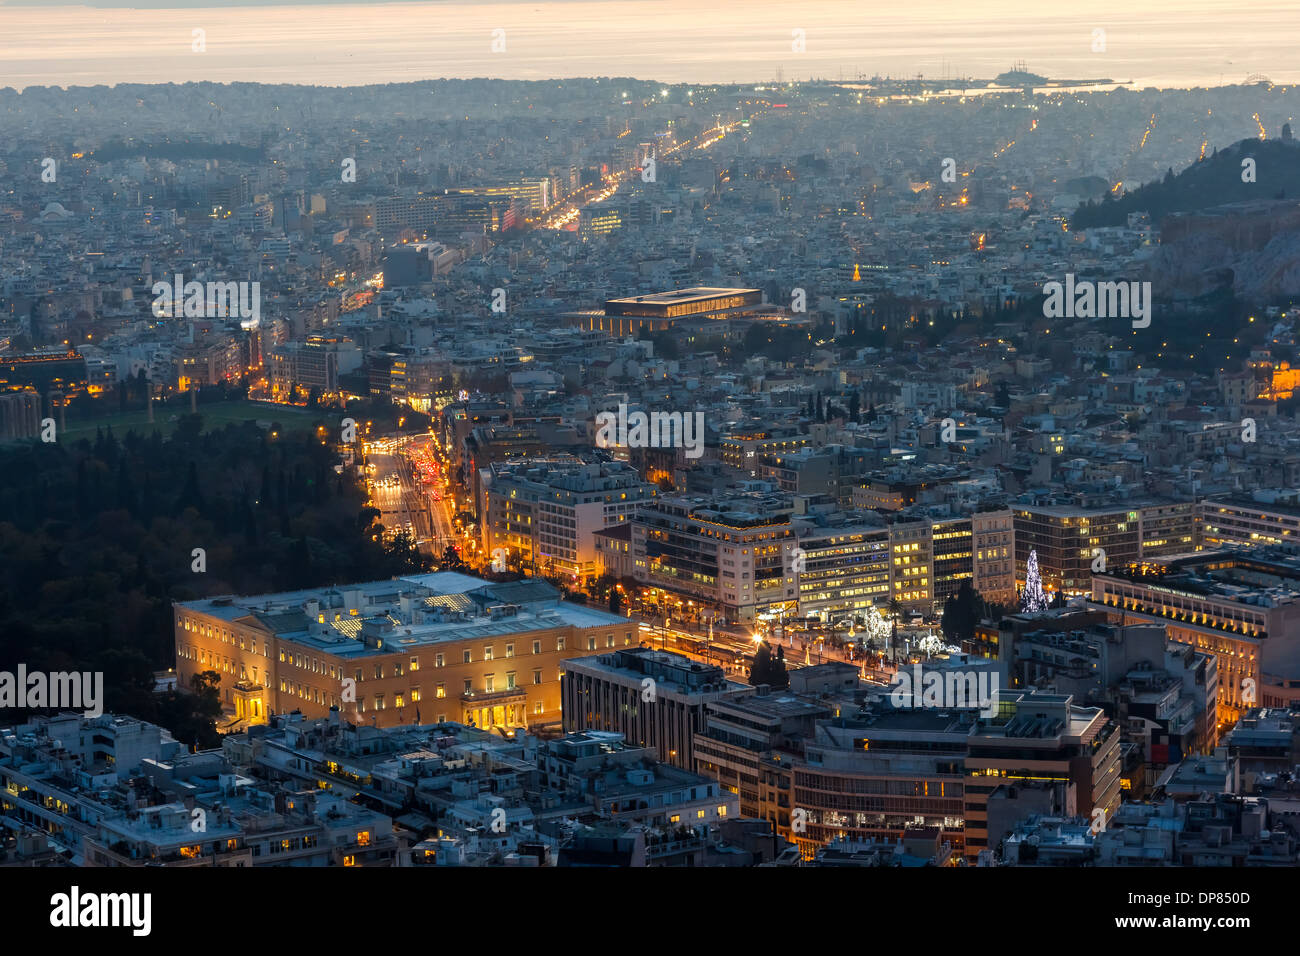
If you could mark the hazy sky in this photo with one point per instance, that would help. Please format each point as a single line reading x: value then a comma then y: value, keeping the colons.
x: 346, y: 42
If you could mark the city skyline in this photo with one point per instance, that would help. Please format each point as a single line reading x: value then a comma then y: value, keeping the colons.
x: 870, y: 439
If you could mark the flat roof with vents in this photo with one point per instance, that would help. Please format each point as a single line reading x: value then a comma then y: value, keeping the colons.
x: 336, y: 625
x: 679, y: 302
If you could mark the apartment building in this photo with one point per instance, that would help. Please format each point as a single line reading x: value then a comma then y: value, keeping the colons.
x: 547, y: 512
x: 732, y: 552
x: 843, y: 570
x: 1041, y: 737
x: 207, y: 363
x: 834, y: 568
x: 918, y: 561
x: 57, y: 773
x: 248, y: 828
x: 1242, y: 606
x: 653, y: 698
x: 912, y: 575
x: 952, y: 545
x: 1237, y: 520
x: 75, y: 779
x: 742, y: 731
x: 816, y: 471
x: 614, y: 551
x: 872, y: 776
x: 313, y: 364
x: 993, y: 555
x: 419, y: 212
x: 821, y: 773
x: 625, y: 783
x: 1164, y: 694
x: 1070, y: 540
x: 1266, y: 739
x: 748, y: 450
x: 533, y: 194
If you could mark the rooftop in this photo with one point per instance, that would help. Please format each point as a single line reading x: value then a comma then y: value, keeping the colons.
x: 678, y: 296
x: 404, y: 613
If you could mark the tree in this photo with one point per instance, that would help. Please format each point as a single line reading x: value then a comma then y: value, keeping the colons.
x: 780, y: 678
x: 768, y: 669
x: 948, y: 620
x: 1033, y: 599
x: 762, y: 671
x: 665, y: 345
x: 961, y: 613
x: 190, y: 496
x: 877, y: 627
x: 94, y: 557
x: 192, y: 717
x: 401, y: 550
x: 930, y: 645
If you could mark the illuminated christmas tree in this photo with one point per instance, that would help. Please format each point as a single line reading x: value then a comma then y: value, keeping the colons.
x: 930, y: 645
x: 1032, y: 599
x: 878, y: 628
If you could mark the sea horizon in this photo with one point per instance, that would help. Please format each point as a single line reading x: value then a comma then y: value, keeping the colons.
x: 345, y: 43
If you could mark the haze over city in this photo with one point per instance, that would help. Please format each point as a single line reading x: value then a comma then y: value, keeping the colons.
x: 1197, y: 43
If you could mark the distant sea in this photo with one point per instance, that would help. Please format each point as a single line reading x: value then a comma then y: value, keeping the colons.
x: 1165, y: 43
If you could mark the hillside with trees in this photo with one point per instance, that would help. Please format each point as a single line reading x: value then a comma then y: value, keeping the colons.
x: 98, y: 538
x: 1212, y: 181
